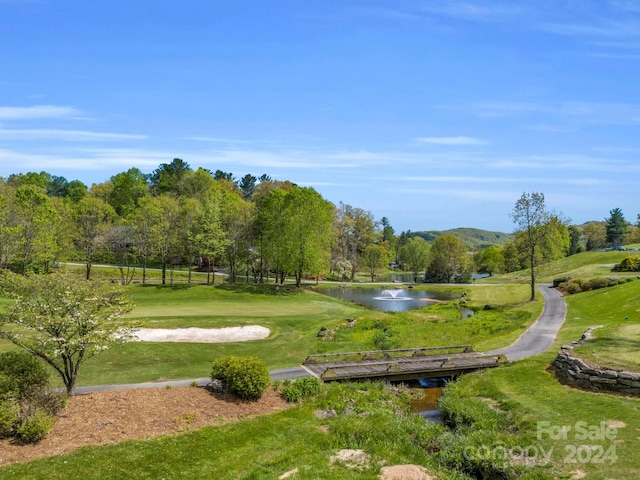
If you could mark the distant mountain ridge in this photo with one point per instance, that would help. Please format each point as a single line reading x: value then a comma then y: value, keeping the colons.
x: 473, y: 238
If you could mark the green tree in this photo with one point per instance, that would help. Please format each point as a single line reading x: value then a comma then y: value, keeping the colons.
x: 616, y: 228
x: 511, y: 256
x: 356, y: 229
x: 121, y: 243
x: 63, y: 320
x: 448, y: 258
x: 247, y: 185
x: 237, y: 217
x: 57, y: 186
x: 535, y: 226
x: 40, y: 180
x: 76, y: 190
x: 595, y: 234
x: 220, y: 175
x: 376, y: 257
x: 414, y: 255
x: 93, y: 218
x: 307, y: 231
x: 127, y: 190
x: 168, y: 177
x: 574, y: 240
x: 269, y: 230
x: 210, y: 238
x: 165, y: 231
x: 35, y: 220
x: 199, y: 184
x: 388, y: 236
x: 489, y: 260
x: 142, y: 223
x: 7, y: 227
x: 188, y: 227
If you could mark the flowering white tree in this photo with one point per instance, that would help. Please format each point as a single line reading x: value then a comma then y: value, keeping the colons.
x: 63, y: 320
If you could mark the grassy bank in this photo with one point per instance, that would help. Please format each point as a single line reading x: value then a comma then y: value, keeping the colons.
x: 615, y: 311
x: 589, y: 435
x: 370, y: 417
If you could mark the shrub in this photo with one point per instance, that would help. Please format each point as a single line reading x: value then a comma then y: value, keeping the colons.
x: 26, y: 370
x: 8, y: 387
x: 9, y: 413
x: 50, y: 401
x: 558, y: 281
x: 573, y: 287
x: 596, y: 283
x: 246, y: 377
x: 382, y: 340
x: 35, y: 426
x: 301, y: 388
x: 220, y: 367
x: 628, y: 264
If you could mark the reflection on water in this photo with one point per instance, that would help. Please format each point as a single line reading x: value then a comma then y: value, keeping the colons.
x: 466, y: 313
x: 426, y: 404
x: 385, y: 299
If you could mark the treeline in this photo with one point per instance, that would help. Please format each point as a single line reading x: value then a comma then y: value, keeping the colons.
x: 560, y: 241
x: 256, y: 228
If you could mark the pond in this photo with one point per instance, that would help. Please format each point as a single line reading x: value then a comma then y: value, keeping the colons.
x: 386, y: 299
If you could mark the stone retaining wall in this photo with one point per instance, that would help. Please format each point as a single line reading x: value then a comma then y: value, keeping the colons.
x: 575, y: 372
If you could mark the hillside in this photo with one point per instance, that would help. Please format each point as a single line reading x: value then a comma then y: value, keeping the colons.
x: 473, y: 238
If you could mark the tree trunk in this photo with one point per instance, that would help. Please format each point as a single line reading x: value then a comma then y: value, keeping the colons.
x: 533, y: 275
x: 144, y: 270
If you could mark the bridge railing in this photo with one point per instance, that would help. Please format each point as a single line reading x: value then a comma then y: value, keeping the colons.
x: 395, y: 353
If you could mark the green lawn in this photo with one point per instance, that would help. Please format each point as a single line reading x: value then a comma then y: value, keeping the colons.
x: 617, y: 310
x: 294, y: 318
x: 271, y: 445
x: 581, y: 265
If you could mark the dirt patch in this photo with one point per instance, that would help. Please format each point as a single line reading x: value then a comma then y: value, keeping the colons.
x: 202, y: 335
x: 404, y: 472
x: 616, y: 423
x: 355, y: 459
x: 109, y: 417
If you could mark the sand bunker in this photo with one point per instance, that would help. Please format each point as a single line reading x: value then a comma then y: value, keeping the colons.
x: 202, y: 335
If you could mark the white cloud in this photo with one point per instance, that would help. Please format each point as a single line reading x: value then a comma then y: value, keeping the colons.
x: 608, y: 30
x: 574, y: 113
x: 68, y: 135
x: 38, y: 111
x: 578, y: 163
x: 460, y: 140
x: 454, y: 179
x: 466, y: 10
x: 458, y: 193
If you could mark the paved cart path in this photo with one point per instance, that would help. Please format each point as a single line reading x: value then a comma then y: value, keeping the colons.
x: 539, y: 336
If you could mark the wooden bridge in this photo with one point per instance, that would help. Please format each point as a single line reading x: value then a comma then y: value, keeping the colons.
x: 402, y: 364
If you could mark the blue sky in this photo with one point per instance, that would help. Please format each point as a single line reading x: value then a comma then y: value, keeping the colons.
x: 436, y: 114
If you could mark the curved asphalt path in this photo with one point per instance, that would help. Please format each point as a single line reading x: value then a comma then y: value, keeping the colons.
x: 536, y: 339
x: 539, y: 336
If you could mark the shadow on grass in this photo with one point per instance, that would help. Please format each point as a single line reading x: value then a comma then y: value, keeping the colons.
x: 610, y: 343
x: 175, y: 286
x: 260, y: 288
